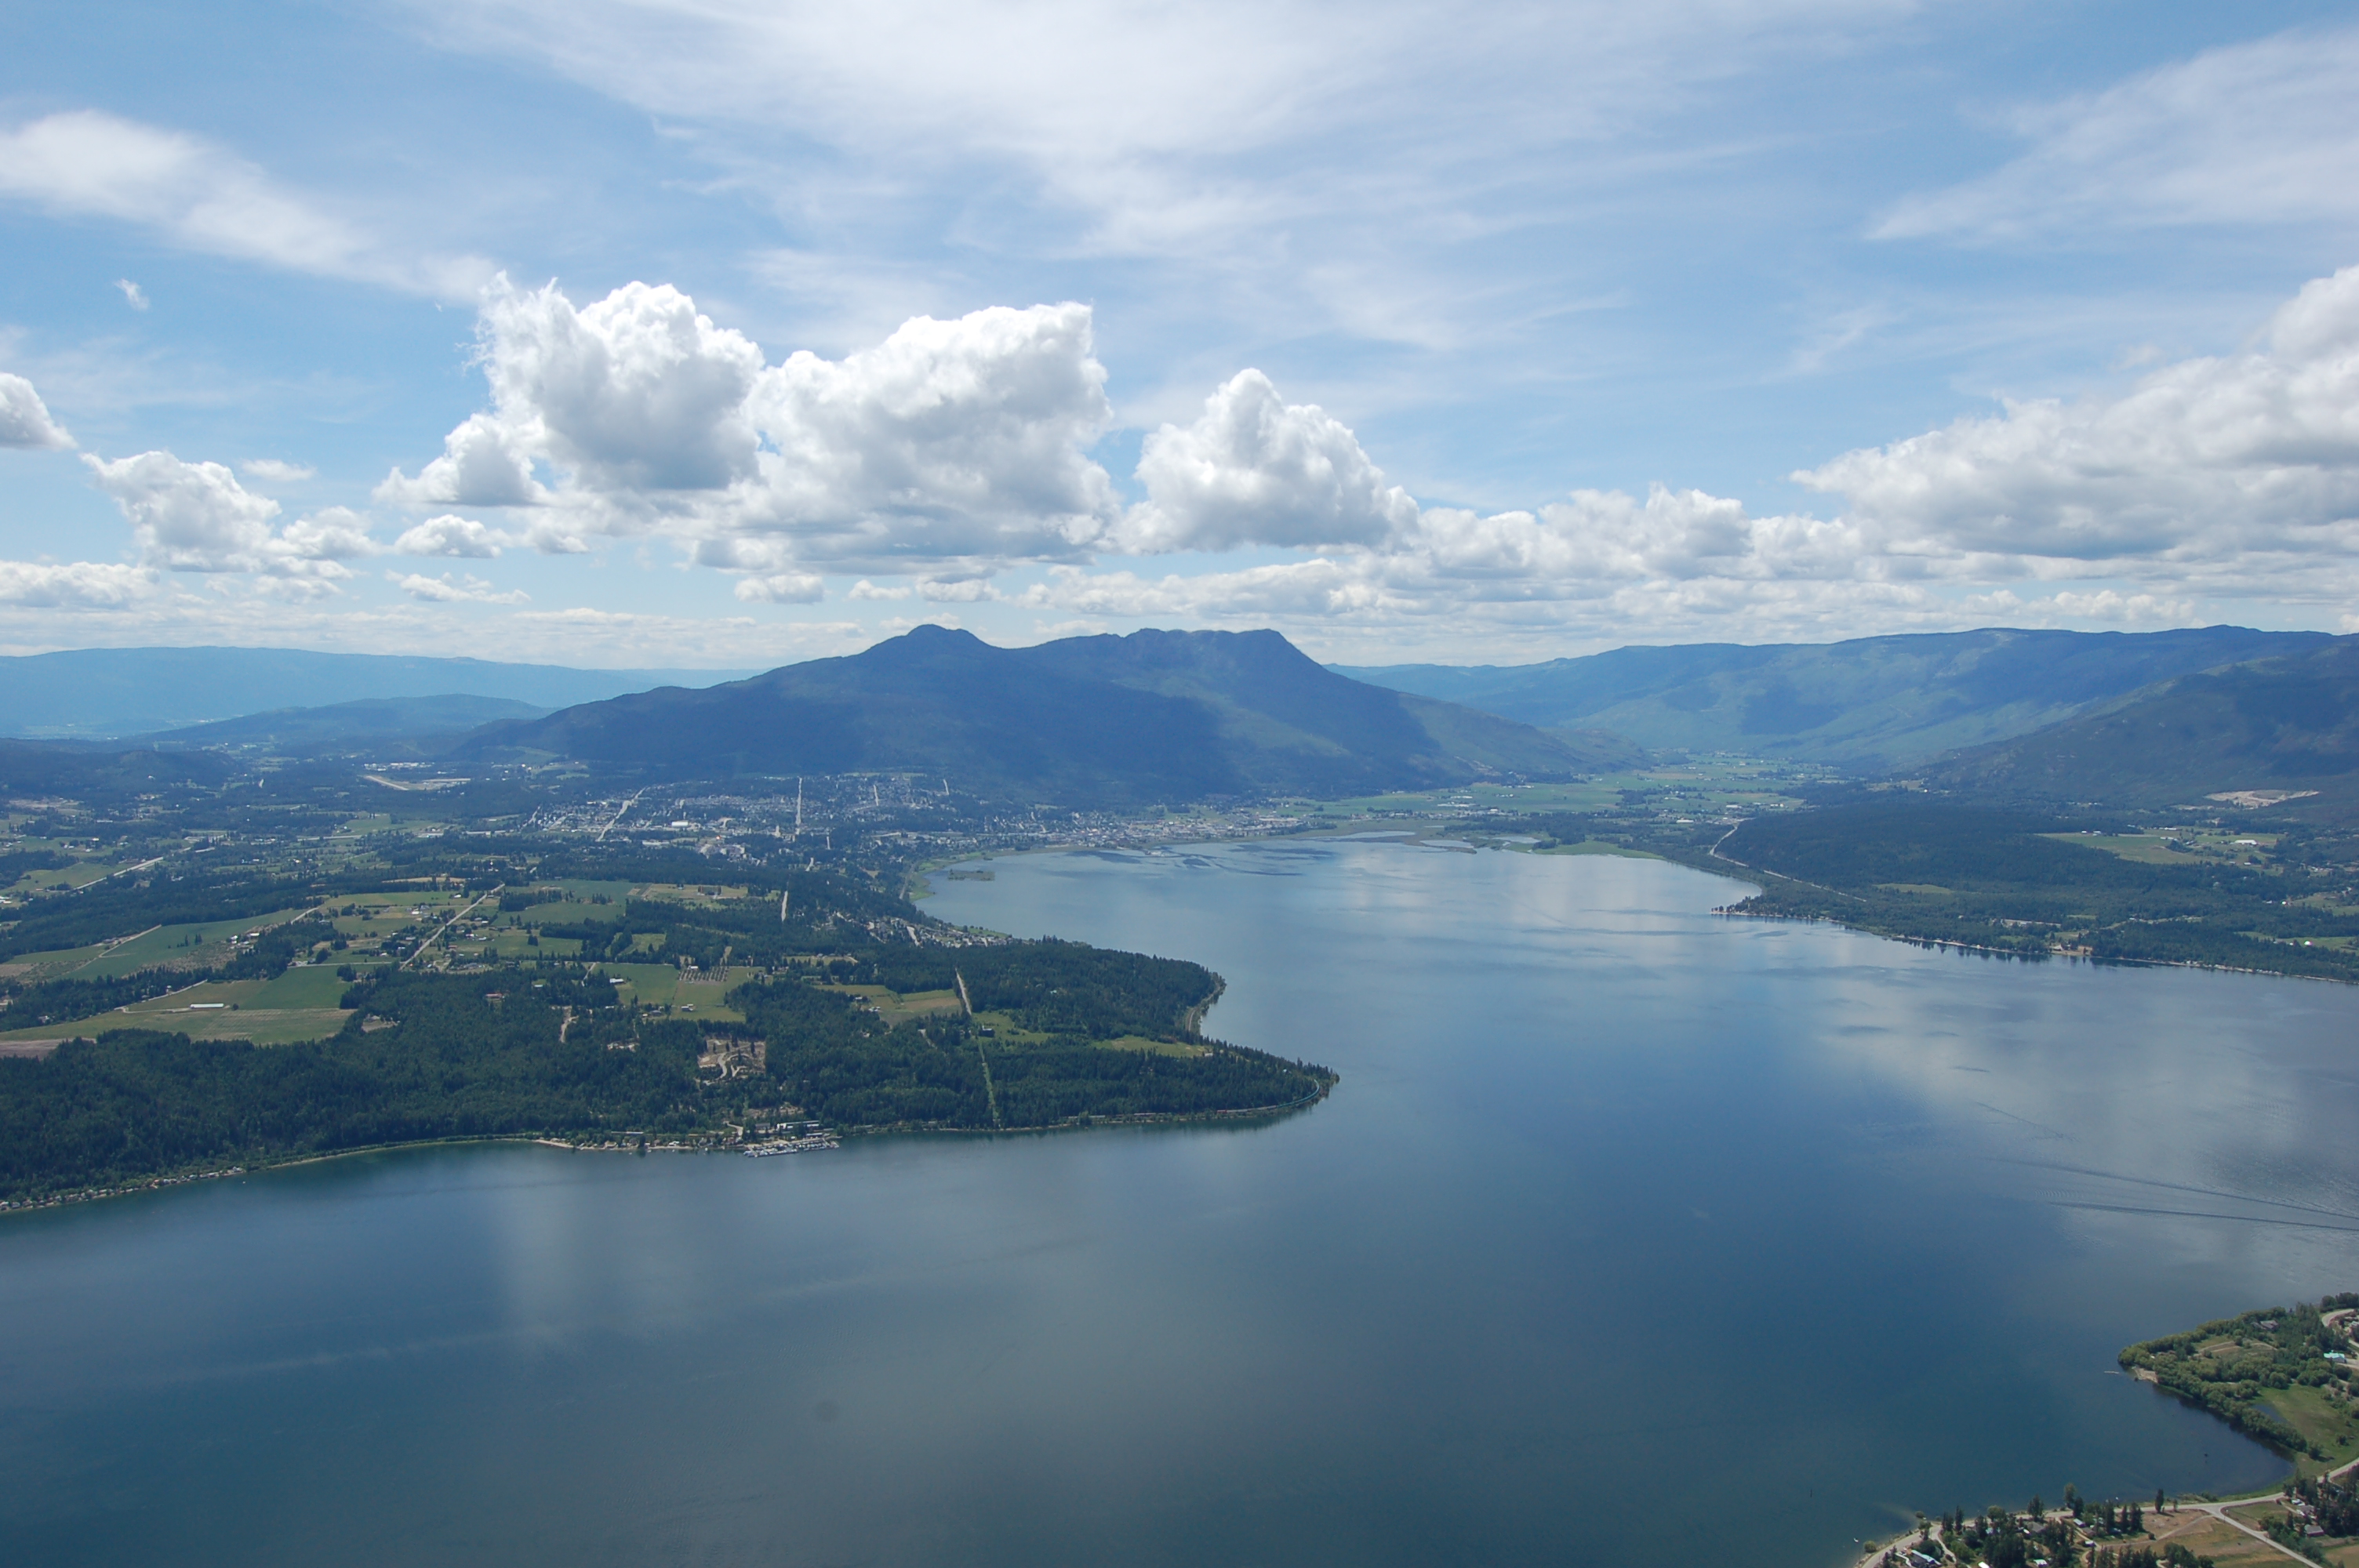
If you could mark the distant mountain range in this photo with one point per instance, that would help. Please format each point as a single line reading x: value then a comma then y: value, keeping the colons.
x: 404, y: 724
x: 2274, y: 727
x: 104, y: 693
x: 1872, y: 703
x: 2150, y: 720
x: 1156, y: 716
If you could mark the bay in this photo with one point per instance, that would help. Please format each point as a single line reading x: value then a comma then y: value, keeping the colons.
x: 1632, y: 1232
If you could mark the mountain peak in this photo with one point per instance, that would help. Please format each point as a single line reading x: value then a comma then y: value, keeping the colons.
x: 1155, y: 716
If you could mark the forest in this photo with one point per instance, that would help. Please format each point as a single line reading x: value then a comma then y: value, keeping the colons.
x: 461, y: 1059
x: 845, y: 1066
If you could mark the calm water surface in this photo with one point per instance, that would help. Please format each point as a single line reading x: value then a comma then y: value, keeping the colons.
x: 1631, y: 1233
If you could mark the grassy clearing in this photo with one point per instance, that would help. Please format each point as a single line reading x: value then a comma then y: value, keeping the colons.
x: 2331, y: 1424
x: 2226, y: 1546
x: 198, y: 945
x: 288, y: 1027
x: 584, y: 893
x: 178, y: 943
x: 362, y: 823
x: 222, y: 994
x: 2146, y: 848
x: 379, y: 914
x: 1157, y: 1047
x: 693, y: 895
x: 81, y: 874
x: 299, y: 1005
x: 311, y: 986
x: 50, y: 965
x: 661, y: 985
x: 895, y: 1008
x: 706, y: 988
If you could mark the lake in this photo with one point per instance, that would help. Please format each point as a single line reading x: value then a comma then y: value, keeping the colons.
x: 1631, y: 1232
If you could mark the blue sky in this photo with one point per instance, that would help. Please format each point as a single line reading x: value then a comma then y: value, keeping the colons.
x: 729, y: 333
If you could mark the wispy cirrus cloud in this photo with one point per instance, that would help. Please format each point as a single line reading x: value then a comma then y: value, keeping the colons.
x: 202, y: 196
x: 2257, y: 133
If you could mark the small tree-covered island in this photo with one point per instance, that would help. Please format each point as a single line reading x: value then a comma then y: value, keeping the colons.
x: 630, y: 1009
x: 2282, y: 1376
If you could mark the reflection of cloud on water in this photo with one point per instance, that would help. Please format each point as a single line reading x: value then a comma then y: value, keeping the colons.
x: 2114, y: 1097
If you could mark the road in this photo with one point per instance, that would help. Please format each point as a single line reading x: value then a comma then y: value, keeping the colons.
x: 446, y: 925
x: 2217, y: 1510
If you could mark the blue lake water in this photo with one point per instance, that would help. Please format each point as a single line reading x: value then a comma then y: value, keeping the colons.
x: 1631, y: 1232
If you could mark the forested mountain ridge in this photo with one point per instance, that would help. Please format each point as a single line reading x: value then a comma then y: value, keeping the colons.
x: 1156, y: 716
x: 1869, y: 704
x: 2274, y: 726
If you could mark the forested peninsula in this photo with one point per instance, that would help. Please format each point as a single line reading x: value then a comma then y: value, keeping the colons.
x: 517, y: 1001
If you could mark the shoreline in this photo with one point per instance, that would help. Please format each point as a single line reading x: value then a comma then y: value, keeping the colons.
x: 2203, y: 1504
x: 1729, y: 911
x: 1078, y: 1124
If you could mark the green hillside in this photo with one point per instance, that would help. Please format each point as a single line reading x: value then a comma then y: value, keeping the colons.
x: 1156, y: 716
x: 378, y: 726
x: 2278, y: 727
x: 1870, y: 704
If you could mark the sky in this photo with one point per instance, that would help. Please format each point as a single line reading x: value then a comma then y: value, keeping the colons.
x: 725, y: 333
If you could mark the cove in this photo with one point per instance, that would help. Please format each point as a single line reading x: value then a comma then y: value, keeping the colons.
x: 1630, y: 1233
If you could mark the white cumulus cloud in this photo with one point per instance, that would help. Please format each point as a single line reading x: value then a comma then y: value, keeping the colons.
x: 275, y: 470
x: 196, y: 517
x: 330, y: 533
x: 76, y: 585
x: 784, y: 587
x: 25, y: 419
x: 450, y: 535
x: 950, y: 440
x: 1255, y: 469
x: 637, y: 392
x: 2207, y: 459
x: 465, y: 588
x: 484, y: 463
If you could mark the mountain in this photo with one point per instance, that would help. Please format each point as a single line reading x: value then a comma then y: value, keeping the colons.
x: 1872, y: 703
x: 31, y: 770
x: 409, y: 724
x: 1156, y: 716
x: 2271, y: 727
x: 101, y: 693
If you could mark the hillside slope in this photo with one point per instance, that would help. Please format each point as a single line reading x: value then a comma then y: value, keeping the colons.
x: 1157, y: 716
x: 101, y: 693
x: 1874, y: 703
x: 376, y: 724
x: 2276, y: 725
